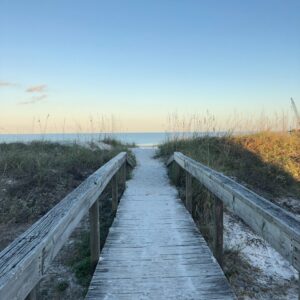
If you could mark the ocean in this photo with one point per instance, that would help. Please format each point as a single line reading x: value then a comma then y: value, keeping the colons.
x: 139, y: 138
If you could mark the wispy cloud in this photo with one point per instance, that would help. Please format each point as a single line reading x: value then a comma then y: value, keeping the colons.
x: 34, y: 100
x: 6, y: 83
x: 37, y: 88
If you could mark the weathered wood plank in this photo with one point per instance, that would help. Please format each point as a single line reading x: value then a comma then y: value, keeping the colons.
x: 115, y: 193
x: 124, y: 176
x: 218, y: 230
x: 280, y: 228
x: 94, y: 233
x: 25, y: 260
x: 153, y: 249
x: 188, y: 192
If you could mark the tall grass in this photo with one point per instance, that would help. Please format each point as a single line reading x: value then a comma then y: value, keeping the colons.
x: 260, y: 151
x: 34, y: 176
x: 207, y: 123
x: 267, y: 162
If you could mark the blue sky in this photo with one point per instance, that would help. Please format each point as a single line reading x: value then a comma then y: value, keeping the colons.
x: 142, y: 60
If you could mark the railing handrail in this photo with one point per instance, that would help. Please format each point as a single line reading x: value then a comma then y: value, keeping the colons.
x: 277, y: 226
x: 25, y: 260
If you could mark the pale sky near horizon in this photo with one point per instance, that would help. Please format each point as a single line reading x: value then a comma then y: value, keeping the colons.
x: 72, y: 62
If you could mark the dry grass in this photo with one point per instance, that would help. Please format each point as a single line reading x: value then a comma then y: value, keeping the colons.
x: 267, y: 162
x: 279, y: 149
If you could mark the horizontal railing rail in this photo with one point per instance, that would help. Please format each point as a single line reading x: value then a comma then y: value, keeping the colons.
x: 277, y: 226
x: 26, y: 259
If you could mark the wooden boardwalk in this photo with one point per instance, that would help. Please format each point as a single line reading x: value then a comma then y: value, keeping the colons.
x: 154, y: 250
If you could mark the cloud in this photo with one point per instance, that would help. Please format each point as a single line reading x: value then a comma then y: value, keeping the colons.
x: 34, y: 100
x: 40, y: 89
x: 37, y: 88
x: 6, y: 83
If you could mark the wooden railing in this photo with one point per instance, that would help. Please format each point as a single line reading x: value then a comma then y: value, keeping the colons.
x: 25, y: 260
x: 277, y: 226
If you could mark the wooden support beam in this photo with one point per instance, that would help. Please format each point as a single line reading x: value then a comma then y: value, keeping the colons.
x: 218, y: 230
x: 188, y: 192
x: 114, y: 185
x: 194, y: 206
x: 94, y: 233
x: 124, y: 176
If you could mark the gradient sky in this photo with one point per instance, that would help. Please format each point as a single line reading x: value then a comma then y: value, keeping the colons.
x: 142, y: 60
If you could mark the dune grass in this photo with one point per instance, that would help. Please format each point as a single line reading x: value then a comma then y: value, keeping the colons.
x: 116, y: 143
x: 35, y: 176
x: 267, y: 162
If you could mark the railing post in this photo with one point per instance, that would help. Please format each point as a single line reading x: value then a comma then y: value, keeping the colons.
x: 188, y: 192
x: 33, y: 294
x: 218, y: 230
x: 95, y: 233
x: 114, y: 185
x: 124, y: 175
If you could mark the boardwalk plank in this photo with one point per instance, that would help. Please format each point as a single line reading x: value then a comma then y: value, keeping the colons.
x: 154, y: 250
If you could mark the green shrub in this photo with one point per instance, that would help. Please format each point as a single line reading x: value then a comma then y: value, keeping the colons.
x: 62, y: 286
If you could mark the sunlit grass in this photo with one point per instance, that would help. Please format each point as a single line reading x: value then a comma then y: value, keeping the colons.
x: 268, y: 162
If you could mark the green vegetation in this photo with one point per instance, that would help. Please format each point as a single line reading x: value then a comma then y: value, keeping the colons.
x: 116, y: 143
x: 80, y: 259
x: 35, y: 176
x: 62, y: 286
x: 266, y: 162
